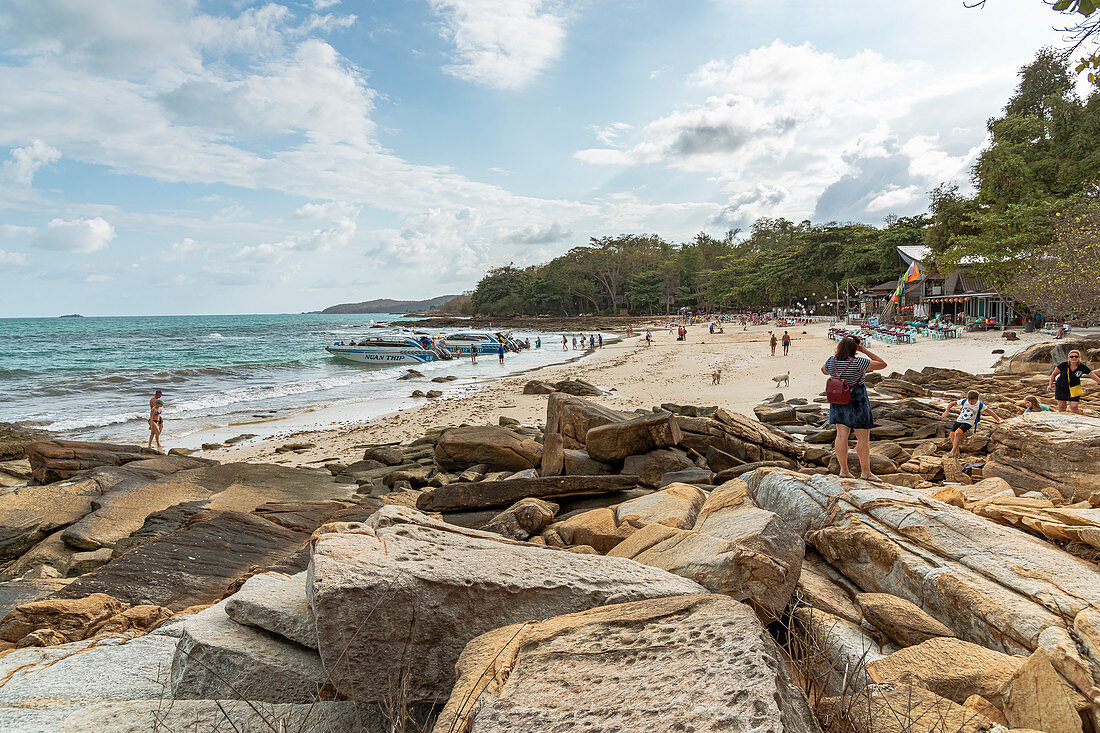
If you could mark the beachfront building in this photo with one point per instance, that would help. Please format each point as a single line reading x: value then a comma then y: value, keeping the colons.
x: 958, y: 297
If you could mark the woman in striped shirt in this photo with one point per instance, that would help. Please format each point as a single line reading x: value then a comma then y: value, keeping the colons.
x: 856, y: 415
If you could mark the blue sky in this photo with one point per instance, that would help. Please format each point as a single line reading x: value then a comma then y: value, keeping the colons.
x: 177, y: 156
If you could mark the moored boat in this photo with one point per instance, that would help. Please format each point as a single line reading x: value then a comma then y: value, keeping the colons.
x: 462, y: 343
x: 393, y: 348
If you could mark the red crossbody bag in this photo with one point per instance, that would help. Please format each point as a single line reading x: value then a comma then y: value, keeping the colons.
x: 837, y: 391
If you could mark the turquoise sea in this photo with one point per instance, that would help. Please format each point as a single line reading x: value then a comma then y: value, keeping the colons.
x: 91, y: 378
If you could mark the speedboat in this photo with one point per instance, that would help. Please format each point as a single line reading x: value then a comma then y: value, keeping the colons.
x: 486, y: 342
x: 392, y: 348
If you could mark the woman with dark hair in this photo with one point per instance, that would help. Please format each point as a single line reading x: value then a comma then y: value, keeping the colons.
x: 856, y: 415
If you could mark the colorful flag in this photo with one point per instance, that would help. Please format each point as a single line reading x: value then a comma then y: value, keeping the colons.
x: 913, y: 273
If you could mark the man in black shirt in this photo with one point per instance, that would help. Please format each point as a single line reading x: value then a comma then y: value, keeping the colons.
x: 1065, y: 380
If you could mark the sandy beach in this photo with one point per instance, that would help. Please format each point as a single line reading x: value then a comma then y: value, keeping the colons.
x: 636, y: 376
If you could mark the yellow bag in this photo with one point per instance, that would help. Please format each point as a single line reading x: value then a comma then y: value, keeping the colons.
x: 1076, y: 391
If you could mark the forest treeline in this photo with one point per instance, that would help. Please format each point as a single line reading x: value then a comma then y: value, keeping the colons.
x: 1031, y: 229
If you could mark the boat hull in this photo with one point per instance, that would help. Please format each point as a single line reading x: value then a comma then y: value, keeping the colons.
x: 364, y: 355
x: 464, y: 349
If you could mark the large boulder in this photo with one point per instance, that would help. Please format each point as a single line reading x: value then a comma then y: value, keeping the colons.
x: 573, y: 417
x: 71, y: 619
x: 498, y: 448
x: 951, y: 668
x: 650, y: 467
x: 277, y: 603
x: 43, y: 686
x: 29, y: 513
x: 123, y: 509
x: 991, y: 585
x: 220, y: 659
x: 430, y: 587
x: 718, y: 565
x: 902, y: 621
x: 192, y: 565
x: 14, y: 438
x: 676, y: 506
x: 1048, y: 449
x: 701, y: 663
x: 616, y: 441
x: 523, y: 519
x: 57, y: 460
x: 746, y: 440
x: 730, y: 514
x: 461, y: 495
x: 1041, y: 358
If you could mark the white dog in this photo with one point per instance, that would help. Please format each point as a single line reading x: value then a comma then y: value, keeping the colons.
x: 785, y: 379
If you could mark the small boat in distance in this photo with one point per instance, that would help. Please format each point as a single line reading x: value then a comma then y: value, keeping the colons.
x: 391, y: 348
x: 486, y: 342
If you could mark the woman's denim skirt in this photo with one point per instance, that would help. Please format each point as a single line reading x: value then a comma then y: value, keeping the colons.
x: 857, y: 413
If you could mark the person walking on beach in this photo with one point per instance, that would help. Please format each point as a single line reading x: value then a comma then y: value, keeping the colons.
x: 564, y: 343
x: 591, y: 342
x: 773, y: 341
x: 574, y: 343
x: 648, y: 338
x: 156, y: 421
x: 601, y: 340
x: 500, y: 352
x: 970, y: 414
x: 786, y: 343
x: 856, y: 414
x: 1065, y: 380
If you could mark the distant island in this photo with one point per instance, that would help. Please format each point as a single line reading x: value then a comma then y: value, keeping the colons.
x: 385, y: 305
x: 71, y: 315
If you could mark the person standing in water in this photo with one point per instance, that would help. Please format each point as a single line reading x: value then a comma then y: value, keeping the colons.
x: 500, y: 352
x: 473, y: 354
x: 156, y: 421
x: 564, y: 343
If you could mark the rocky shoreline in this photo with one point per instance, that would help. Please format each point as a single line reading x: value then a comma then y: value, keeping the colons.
x: 675, y: 567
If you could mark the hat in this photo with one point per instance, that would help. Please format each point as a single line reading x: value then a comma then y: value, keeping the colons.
x: 158, y: 393
x: 160, y: 401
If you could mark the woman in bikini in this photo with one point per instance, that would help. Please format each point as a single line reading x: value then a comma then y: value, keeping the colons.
x: 156, y: 423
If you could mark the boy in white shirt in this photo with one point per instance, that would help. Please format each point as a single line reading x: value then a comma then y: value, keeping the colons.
x: 970, y: 412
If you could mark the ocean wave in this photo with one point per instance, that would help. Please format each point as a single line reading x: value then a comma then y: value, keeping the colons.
x: 216, y: 401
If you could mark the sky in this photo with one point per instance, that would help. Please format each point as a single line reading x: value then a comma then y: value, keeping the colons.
x: 183, y: 156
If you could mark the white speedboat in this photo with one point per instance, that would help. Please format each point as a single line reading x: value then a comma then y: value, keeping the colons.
x: 486, y: 342
x: 392, y: 348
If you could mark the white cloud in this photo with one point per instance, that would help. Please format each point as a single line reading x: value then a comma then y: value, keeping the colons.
x: 609, y: 134
x: 27, y: 160
x: 533, y: 234
x: 319, y: 240
x: 11, y: 259
x: 77, y: 235
x: 14, y: 230
x: 327, y: 210
x: 439, y: 238
x: 502, y: 43
x: 322, y: 4
x: 840, y: 136
x: 179, y: 251
x: 782, y: 70
x: 745, y: 207
x: 895, y: 198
